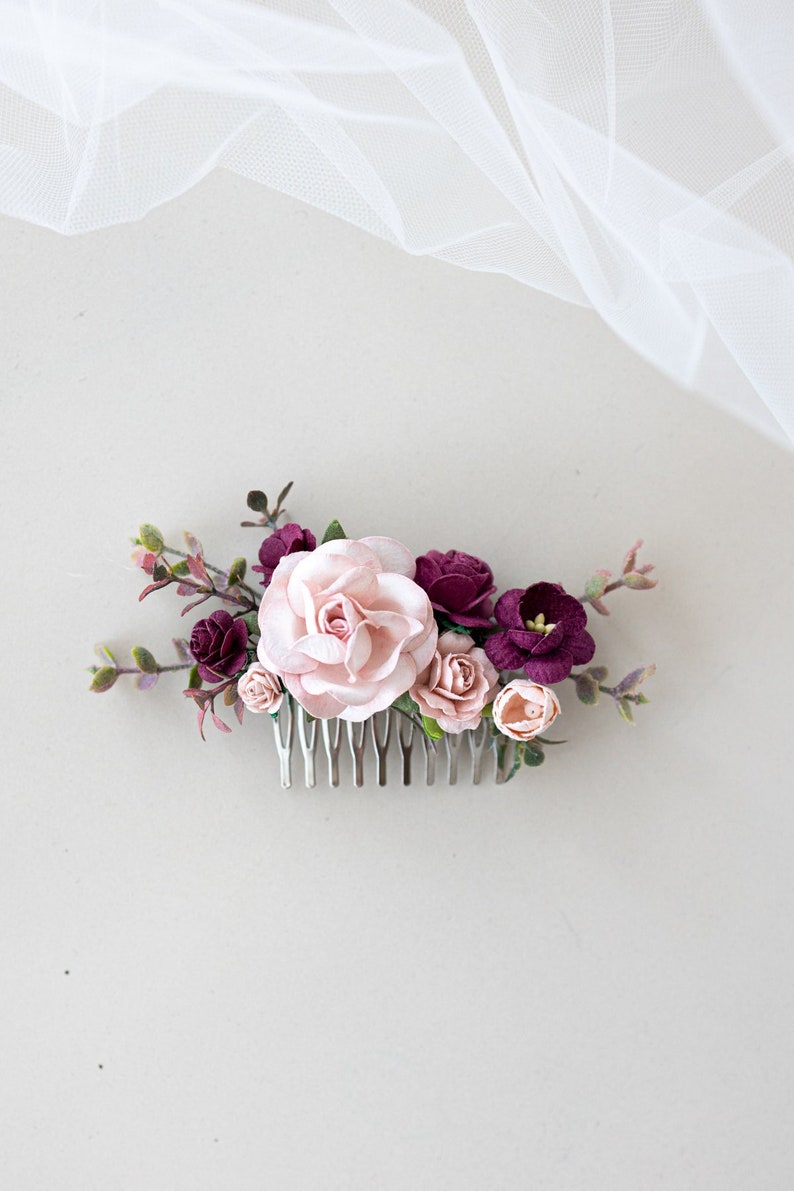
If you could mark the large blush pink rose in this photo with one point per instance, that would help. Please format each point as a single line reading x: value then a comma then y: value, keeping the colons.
x: 523, y: 709
x: 458, y: 684
x: 346, y: 627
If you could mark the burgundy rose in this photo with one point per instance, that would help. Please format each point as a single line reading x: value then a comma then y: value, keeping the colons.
x: 459, y: 586
x: 218, y: 644
x: 543, y: 633
x: 287, y: 540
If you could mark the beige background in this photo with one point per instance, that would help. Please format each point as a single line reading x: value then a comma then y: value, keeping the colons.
x: 582, y: 980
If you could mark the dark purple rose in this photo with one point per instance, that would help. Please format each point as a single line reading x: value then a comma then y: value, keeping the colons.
x: 287, y: 540
x: 459, y: 586
x: 543, y: 633
x: 218, y: 645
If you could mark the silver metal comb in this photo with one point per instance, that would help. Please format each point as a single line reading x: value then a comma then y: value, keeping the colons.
x: 337, y: 746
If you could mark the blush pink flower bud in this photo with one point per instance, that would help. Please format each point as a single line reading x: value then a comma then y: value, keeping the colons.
x: 458, y: 684
x: 260, y: 690
x: 524, y: 709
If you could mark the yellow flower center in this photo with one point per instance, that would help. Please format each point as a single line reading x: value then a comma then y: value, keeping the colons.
x: 538, y: 625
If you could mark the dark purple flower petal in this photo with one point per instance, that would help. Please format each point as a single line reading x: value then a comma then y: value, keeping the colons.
x: 550, y: 668
x: 506, y: 611
x: 582, y: 648
x: 553, y: 640
x: 503, y: 653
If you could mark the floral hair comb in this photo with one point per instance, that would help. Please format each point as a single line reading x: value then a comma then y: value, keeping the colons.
x: 370, y: 643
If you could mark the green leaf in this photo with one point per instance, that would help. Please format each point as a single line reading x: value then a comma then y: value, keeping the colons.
x: 334, y: 533
x: 639, y: 582
x: 180, y: 569
x: 518, y: 755
x: 257, y: 501
x: 284, y: 493
x: 251, y: 620
x: 642, y: 699
x: 151, y: 538
x: 594, y: 587
x: 194, y: 681
x: 159, y: 572
x: 104, y: 678
x: 104, y: 655
x: 624, y: 707
x: 230, y: 696
x: 407, y: 704
x: 237, y: 571
x: 533, y: 754
x: 487, y: 711
x: 144, y: 660
x: 431, y: 728
x: 599, y: 673
x: 587, y: 689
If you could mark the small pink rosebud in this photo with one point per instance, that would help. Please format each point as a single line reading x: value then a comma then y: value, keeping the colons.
x: 260, y: 689
x: 524, y: 709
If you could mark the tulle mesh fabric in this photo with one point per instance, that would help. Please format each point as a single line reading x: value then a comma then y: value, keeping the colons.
x: 631, y: 155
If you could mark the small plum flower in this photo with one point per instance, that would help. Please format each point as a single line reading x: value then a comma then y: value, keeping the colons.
x: 459, y: 585
x: 542, y: 631
x: 524, y: 709
x: 260, y: 689
x: 287, y: 540
x: 458, y: 684
x: 218, y: 644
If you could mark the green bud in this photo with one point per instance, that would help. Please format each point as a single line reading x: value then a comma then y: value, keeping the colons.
x: 104, y: 678
x: 333, y: 533
x: 237, y: 571
x: 151, y: 538
x: 144, y: 660
x: 251, y: 620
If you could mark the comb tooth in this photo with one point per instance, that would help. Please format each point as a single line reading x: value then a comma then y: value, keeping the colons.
x: 357, y: 739
x: 453, y: 749
x: 479, y: 747
x: 307, y: 735
x: 381, y: 739
x: 332, y: 740
x: 284, y: 731
x: 405, y: 736
x: 430, y: 759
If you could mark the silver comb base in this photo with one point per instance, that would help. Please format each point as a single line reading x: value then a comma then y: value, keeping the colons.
x: 326, y: 748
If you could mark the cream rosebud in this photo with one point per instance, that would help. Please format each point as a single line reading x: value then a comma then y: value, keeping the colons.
x: 523, y: 709
x: 260, y: 690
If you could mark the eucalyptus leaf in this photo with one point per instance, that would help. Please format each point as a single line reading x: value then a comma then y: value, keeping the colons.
x: 104, y: 678
x: 151, y: 538
x: 144, y: 660
x: 257, y: 501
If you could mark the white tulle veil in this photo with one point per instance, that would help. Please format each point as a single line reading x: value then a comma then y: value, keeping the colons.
x: 631, y: 155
